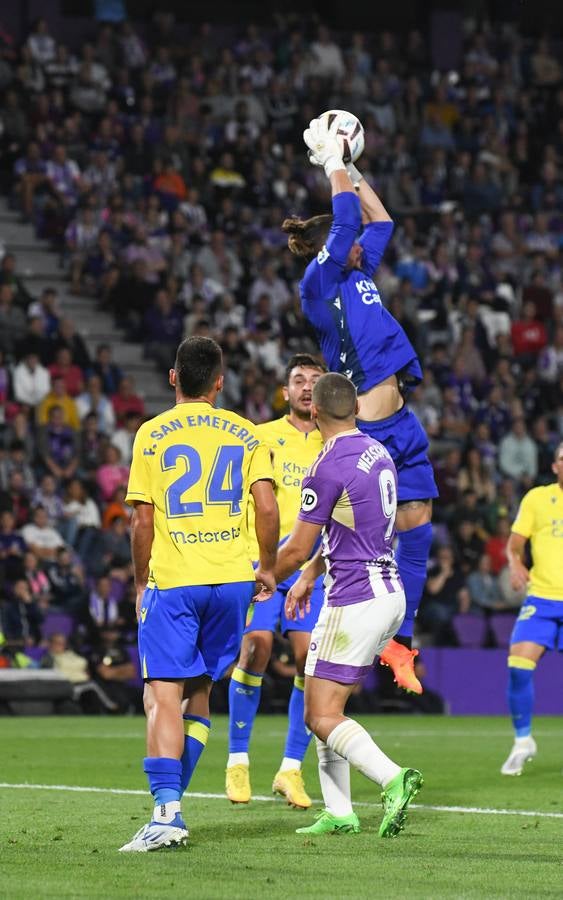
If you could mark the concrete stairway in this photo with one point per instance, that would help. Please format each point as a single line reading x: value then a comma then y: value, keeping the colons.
x: 40, y: 268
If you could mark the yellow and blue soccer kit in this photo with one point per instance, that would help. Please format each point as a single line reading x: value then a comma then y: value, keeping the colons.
x: 292, y: 452
x: 195, y: 465
x: 540, y: 519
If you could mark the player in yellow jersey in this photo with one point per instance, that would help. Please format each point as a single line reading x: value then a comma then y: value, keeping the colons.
x: 539, y: 626
x: 192, y: 472
x: 294, y: 442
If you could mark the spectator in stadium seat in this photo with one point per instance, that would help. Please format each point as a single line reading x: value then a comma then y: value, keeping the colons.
x: 483, y: 587
x: 12, y: 322
x: 104, y: 366
x: 59, y: 398
x: 163, y: 329
x: 115, y: 548
x: 16, y: 499
x: 75, y: 668
x: 71, y: 374
x: 495, y: 546
x: 68, y: 338
x: 111, y: 474
x: 41, y: 538
x: 17, y: 461
x: 21, y: 618
x: 529, y: 335
x: 9, y: 275
x: 125, y: 401
x: 31, y: 380
x: 445, y: 596
x: 47, y: 496
x: 467, y: 545
x: 57, y: 446
x: 93, y: 400
x: 91, y: 447
x: 35, y: 340
x: 123, y: 438
x: 37, y: 580
x: 113, y: 670
x: 116, y: 508
x: 66, y: 578
x: 518, y: 455
x: 12, y: 548
x: 83, y: 515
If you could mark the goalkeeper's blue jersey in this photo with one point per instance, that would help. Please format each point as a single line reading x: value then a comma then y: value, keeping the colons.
x: 359, y: 338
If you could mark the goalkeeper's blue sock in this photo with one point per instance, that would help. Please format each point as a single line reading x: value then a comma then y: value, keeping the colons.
x: 413, y: 550
x: 521, y: 693
x: 244, y: 699
x: 163, y: 774
x: 196, y: 731
x: 298, y: 736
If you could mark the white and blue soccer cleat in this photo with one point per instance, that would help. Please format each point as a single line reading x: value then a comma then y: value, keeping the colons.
x: 523, y: 750
x: 156, y: 835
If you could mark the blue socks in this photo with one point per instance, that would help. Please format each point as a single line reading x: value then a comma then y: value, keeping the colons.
x: 413, y: 550
x: 196, y: 730
x: 521, y: 693
x: 163, y: 776
x: 244, y: 699
x: 298, y: 738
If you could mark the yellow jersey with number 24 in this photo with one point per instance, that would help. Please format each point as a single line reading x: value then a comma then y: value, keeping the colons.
x: 195, y: 464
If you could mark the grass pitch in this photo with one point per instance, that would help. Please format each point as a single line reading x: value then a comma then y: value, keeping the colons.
x: 63, y: 843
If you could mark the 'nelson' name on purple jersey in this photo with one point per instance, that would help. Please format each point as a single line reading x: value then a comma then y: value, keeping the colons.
x: 351, y: 489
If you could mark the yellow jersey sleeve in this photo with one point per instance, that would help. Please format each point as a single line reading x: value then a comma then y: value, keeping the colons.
x: 261, y: 468
x: 139, y: 486
x: 524, y: 521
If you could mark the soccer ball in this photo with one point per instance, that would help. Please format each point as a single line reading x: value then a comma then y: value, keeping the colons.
x: 350, y: 133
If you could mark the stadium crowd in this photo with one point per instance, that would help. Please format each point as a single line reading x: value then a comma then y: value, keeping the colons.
x: 160, y: 170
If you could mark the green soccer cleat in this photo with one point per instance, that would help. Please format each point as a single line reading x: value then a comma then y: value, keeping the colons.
x: 396, y: 798
x: 326, y: 823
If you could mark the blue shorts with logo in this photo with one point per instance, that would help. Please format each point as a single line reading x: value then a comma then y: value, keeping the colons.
x: 190, y: 631
x: 540, y: 621
x: 405, y: 439
x: 268, y: 615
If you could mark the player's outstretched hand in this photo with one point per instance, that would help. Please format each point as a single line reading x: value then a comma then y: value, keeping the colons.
x: 265, y: 585
x: 298, y: 600
x: 324, y: 146
x: 519, y: 575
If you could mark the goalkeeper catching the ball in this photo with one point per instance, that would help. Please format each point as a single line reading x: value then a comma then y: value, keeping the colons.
x: 361, y: 340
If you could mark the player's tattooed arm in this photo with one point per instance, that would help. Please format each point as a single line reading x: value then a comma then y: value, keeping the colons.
x: 142, y: 534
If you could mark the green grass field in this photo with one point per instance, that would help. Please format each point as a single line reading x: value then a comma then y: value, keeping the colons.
x: 63, y: 843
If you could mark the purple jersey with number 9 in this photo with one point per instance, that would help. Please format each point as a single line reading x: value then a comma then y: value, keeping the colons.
x: 351, y: 489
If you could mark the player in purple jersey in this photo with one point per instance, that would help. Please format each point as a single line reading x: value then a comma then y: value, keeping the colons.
x: 350, y: 494
x: 362, y: 340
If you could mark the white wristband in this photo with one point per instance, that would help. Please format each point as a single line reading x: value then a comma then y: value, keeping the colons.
x: 333, y: 164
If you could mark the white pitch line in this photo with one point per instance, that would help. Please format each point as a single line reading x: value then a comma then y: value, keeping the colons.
x: 475, y: 810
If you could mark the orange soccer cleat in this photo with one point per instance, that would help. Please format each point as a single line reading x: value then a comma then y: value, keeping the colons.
x: 401, y: 660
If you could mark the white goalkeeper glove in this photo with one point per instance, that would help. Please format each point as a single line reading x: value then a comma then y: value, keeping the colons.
x: 322, y: 143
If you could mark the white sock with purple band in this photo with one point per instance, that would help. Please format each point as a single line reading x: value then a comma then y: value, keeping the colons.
x: 353, y: 743
x: 334, y: 776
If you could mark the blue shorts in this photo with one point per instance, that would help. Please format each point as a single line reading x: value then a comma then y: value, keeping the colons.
x: 540, y: 621
x: 266, y: 616
x: 190, y: 631
x: 405, y: 439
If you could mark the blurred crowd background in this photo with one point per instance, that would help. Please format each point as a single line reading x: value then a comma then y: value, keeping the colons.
x: 159, y: 170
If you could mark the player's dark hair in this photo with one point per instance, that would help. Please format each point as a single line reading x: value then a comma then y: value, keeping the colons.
x: 306, y: 236
x: 199, y: 361
x: 335, y: 396
x: 305, y: 361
